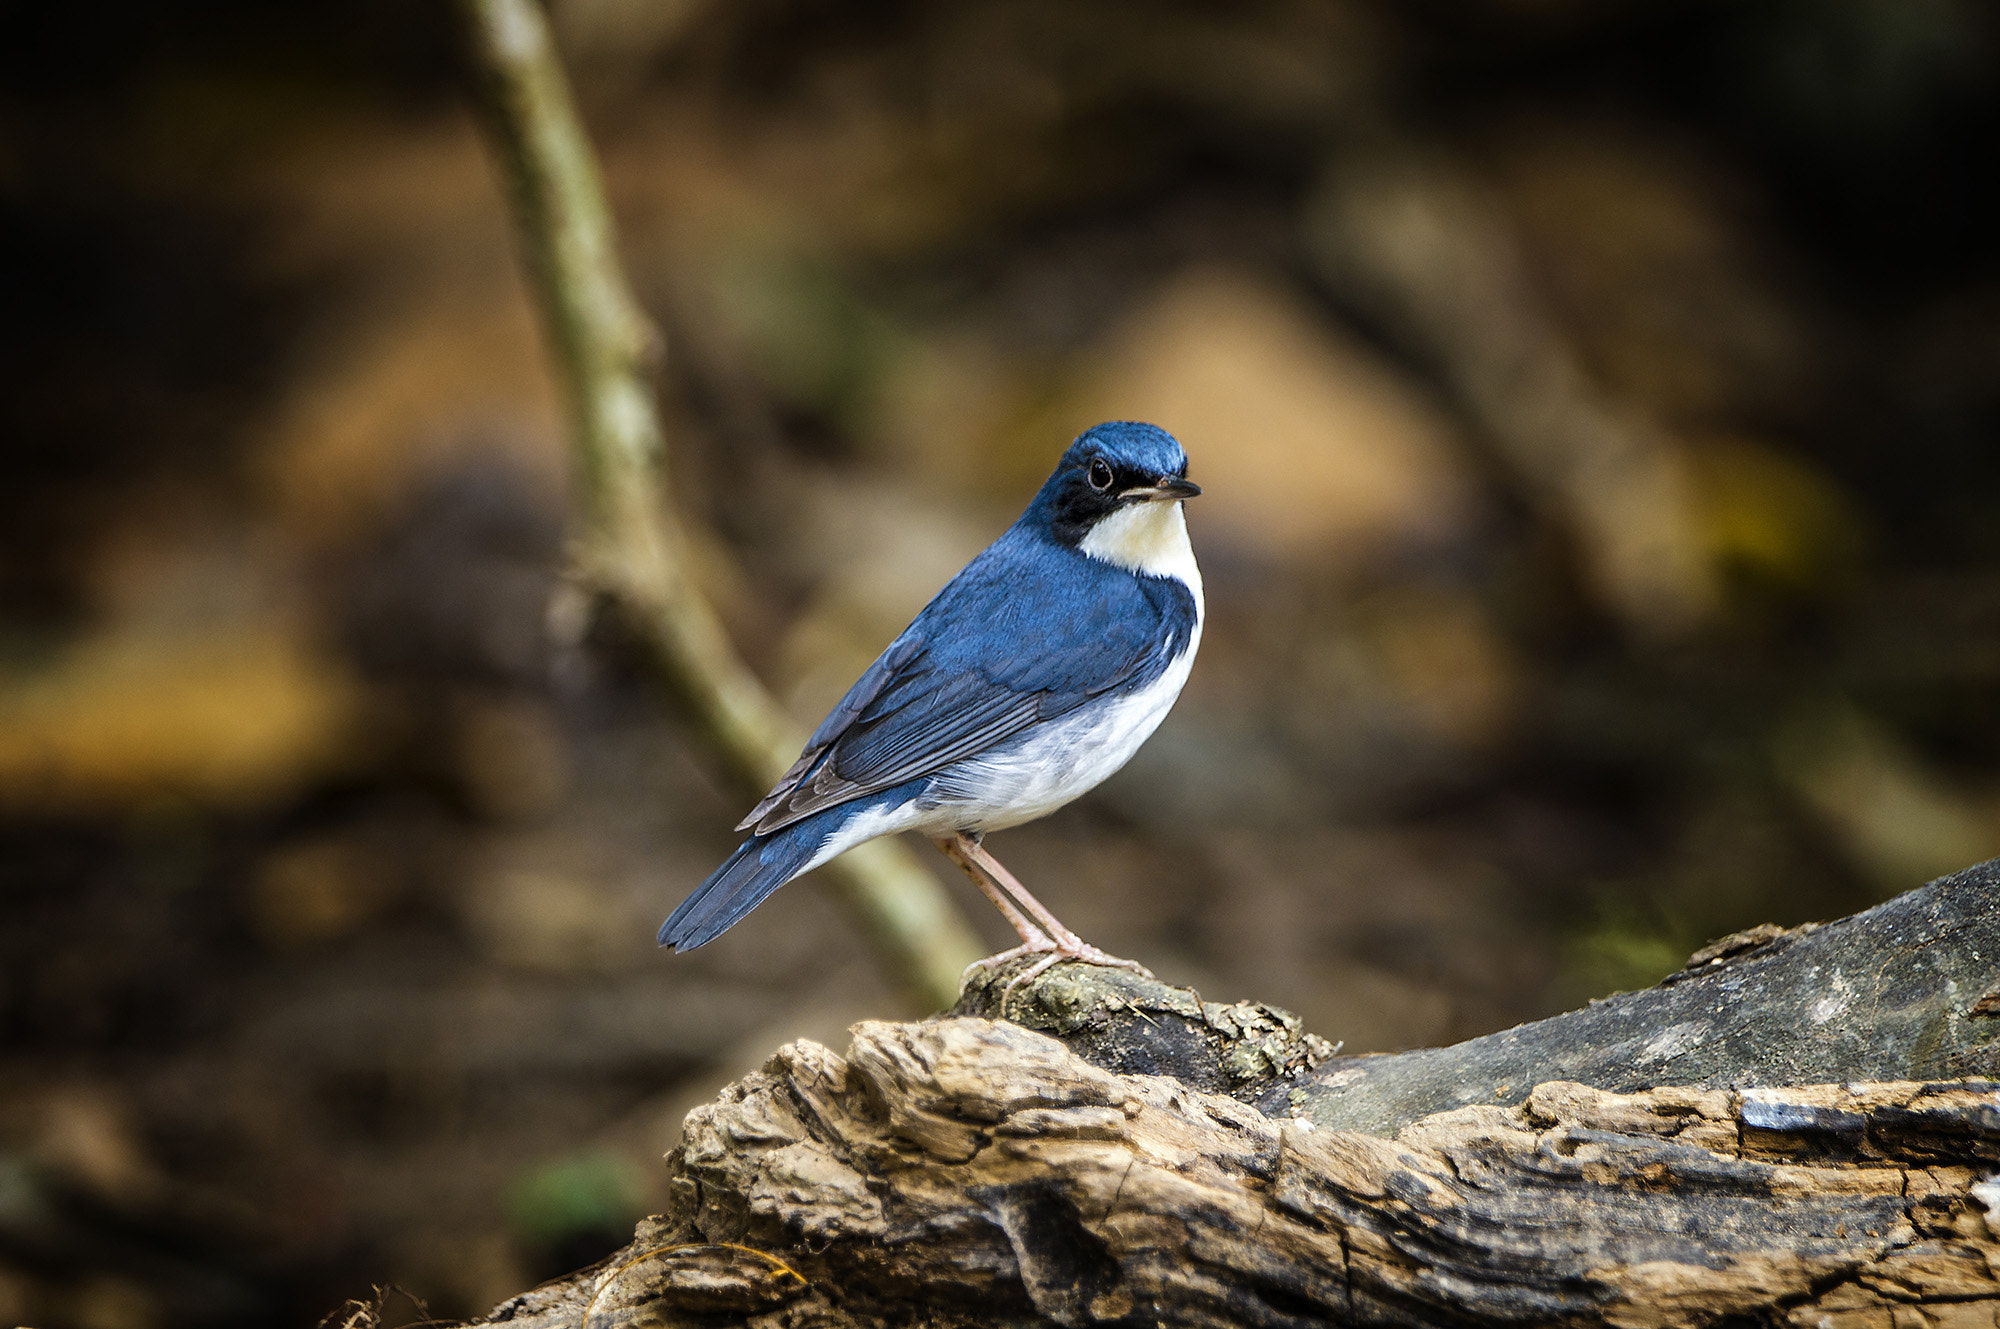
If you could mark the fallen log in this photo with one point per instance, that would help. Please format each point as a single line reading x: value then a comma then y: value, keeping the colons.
x: 1798, y: 1129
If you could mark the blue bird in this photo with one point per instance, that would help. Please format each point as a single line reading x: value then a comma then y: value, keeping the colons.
x: 1032, y: 676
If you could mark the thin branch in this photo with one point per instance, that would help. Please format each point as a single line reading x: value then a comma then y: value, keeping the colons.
x: 633, y: 552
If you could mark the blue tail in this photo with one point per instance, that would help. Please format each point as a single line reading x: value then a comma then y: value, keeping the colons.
x: 760, y: 865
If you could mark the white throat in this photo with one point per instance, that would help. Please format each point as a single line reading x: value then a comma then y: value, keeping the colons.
x: 1150, y: 538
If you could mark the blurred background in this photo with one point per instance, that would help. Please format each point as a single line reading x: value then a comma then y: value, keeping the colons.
x: 1596, y: 404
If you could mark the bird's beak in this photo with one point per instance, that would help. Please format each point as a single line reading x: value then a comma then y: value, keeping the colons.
x: 1167, y: 489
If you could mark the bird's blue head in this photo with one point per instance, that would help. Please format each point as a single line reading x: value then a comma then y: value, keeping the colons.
x: 1107, y: 470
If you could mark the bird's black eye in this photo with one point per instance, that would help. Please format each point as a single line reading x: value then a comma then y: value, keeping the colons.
x: 1100, y: 474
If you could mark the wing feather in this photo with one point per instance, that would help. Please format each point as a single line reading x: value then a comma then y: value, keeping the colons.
x: 865, y: 690
x: 1023, y: 635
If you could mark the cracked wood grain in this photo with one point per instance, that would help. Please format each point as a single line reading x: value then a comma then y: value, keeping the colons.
x: 1896, y: 992
x: 972, y: 1171
x: 965, y: 1171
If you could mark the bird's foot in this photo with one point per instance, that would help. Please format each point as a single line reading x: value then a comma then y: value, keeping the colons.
x: 1040, y: 946
x: 1070, y: 947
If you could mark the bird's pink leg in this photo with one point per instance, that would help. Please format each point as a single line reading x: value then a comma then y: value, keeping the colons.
x: 1059, y: 943
x: 960, y: 850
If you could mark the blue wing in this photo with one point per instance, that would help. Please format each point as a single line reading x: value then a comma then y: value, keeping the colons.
x: 1027, y: 632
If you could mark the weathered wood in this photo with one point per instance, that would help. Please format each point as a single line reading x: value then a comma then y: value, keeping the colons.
x: 1892, y: 993
x: 972, y: 1171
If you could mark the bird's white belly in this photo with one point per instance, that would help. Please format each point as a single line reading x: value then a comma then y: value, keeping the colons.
x: 1058, y: 763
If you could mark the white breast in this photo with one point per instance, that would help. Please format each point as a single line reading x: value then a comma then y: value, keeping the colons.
x: 1151, y: 538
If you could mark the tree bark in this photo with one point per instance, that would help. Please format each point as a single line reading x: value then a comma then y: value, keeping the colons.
x: 1893, y: 993
x: 1791, y: 1131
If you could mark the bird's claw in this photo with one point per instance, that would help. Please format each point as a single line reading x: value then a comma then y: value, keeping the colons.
x: 1052, y: 953
x: 1090, y: 954
x: 1041, y: 946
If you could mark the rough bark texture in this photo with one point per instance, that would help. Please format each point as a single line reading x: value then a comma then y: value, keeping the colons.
x: 1767, y: 1138
x: 1893, y: 993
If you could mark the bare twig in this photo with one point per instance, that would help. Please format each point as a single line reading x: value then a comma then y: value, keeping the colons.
x: 633, y: 553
